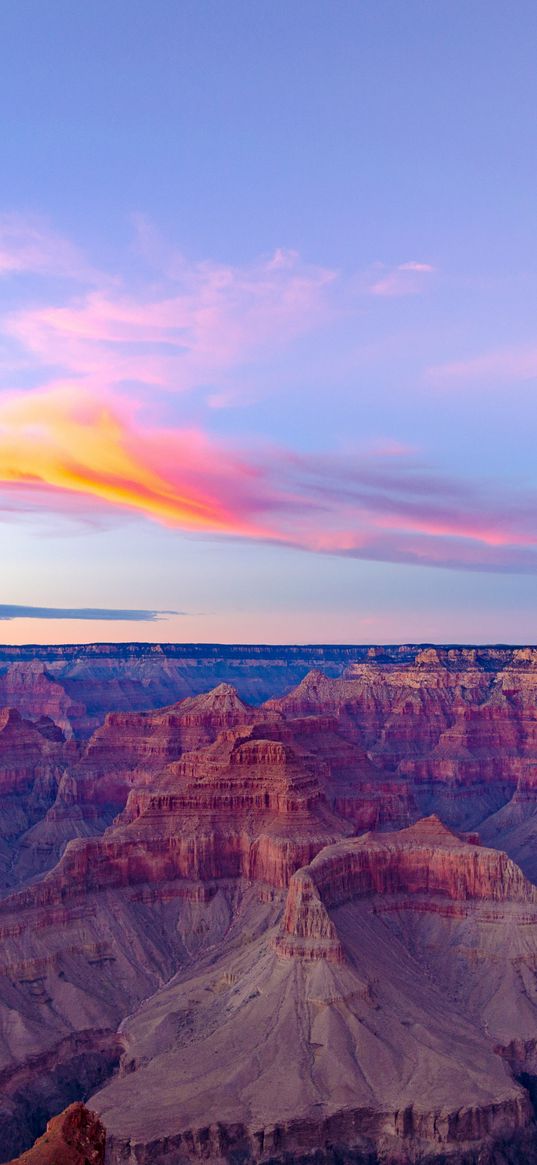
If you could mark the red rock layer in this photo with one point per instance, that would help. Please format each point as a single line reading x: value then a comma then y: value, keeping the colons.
x: 426, y: 860
x: 244, y: 807
x: 460, y: 738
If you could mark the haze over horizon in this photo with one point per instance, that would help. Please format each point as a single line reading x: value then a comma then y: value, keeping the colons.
x: 267, y: 336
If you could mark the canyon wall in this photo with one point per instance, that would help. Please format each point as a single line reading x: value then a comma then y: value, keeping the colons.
x: 190, y: 887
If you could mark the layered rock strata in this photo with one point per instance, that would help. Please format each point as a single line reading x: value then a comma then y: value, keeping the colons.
x: 209, y: 865
x: 327, y: 1034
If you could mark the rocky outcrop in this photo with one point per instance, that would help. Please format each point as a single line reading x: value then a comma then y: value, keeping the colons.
x: 95, y: 781
x: 26, y: 749
x: 243, y: 807
x: 130, y: 740
x: 425, y: 859
x: 94, y: 679
x: 499, y: 1135
x: 74, y: 1068
x: 455, y: 728
x: 100, y: 678
x: 75, y: 1137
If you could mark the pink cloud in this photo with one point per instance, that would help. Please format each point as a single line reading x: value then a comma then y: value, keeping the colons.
x: 27, y: 244
x: 67, y: 451
x: 209, y: 319
x: 179, y: 324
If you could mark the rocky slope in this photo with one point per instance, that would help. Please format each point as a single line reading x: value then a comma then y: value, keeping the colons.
x: 377, y: 1018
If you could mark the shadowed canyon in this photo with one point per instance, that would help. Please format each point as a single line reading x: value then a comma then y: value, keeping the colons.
x: 268, y: 904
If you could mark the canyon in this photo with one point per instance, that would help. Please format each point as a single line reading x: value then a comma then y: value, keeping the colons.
x: 268, y: 904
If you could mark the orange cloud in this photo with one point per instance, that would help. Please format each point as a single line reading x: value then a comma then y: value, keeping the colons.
x: 66, y: 448
x: 70, y: 441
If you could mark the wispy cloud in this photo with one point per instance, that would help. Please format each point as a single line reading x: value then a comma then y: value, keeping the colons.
x: 499, y: 365
x: 13, y: 611
x: 68, y: 448
x: 405, y: 279
x: 175, y: 324
x: 28, y: 245
x: 183, y: 329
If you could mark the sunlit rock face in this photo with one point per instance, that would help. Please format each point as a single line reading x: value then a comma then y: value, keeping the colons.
x: 263, y: 931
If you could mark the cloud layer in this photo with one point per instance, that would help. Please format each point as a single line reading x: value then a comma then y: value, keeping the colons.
x: 10, y: 611
x: 84, y: 436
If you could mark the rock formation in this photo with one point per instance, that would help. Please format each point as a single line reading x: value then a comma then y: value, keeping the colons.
x: 297, y: 930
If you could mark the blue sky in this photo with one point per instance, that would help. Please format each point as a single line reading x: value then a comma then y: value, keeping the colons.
x: 267, y: 319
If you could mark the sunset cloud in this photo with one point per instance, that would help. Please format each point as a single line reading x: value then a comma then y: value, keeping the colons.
x: 64, y: 447
x: 95, y: 442
x: 71, y: 442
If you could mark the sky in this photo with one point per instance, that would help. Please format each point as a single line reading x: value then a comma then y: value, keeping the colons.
x: 268, y: 343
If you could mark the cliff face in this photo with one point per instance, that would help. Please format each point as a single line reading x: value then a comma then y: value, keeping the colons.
x: 94, y: 780
x: 31, y: 689
x: 315, y: 950
x: 426, y: 859
x: 246, y: 806
x: 414, y: 868
x: 32, y: 761
x: 79, y: 685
